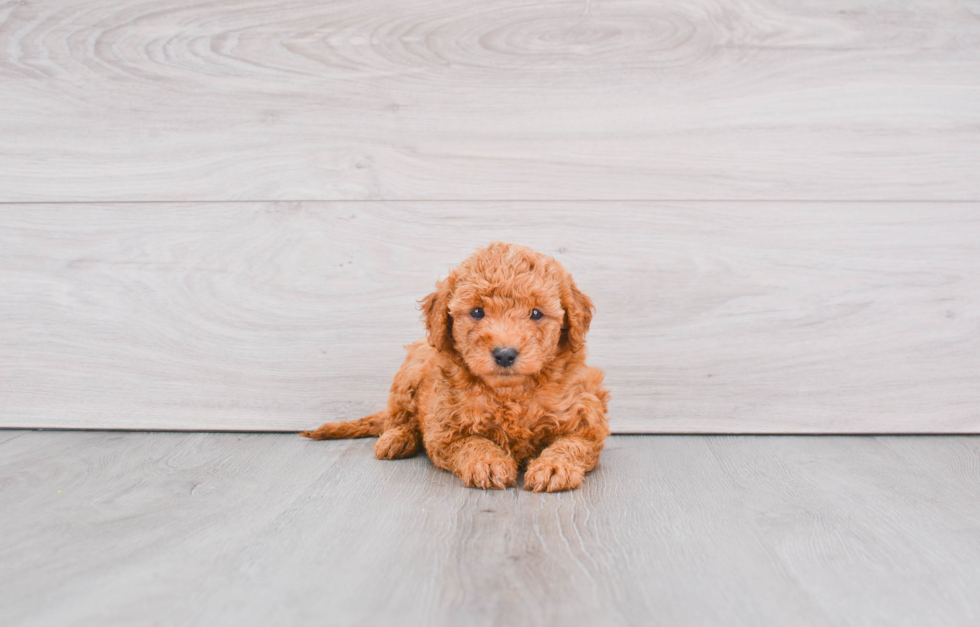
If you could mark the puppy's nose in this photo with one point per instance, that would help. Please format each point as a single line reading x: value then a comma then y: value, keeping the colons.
x: 505, y: 356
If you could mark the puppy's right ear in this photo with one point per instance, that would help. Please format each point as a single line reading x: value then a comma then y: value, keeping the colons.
x: 435, y: 313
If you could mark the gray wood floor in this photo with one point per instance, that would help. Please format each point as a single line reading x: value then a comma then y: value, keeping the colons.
x: 114, y: 528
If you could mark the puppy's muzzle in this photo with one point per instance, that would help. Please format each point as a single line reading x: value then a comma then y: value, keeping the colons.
x: 505, y: 357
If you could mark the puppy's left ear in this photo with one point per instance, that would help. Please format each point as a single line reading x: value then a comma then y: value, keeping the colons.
x: 578, y: 315
x: 435, y: 314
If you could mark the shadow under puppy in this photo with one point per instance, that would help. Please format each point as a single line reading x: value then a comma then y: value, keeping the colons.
x: 501, y: 383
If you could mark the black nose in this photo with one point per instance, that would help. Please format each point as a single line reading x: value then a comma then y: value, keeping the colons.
x: 505, y: 356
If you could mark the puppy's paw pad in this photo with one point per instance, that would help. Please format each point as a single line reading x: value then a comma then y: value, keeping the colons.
x: 396, y: 444
x: 490, y: 474
x: 545, y: 476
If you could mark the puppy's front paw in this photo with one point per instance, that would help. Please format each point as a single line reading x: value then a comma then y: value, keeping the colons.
x: 397, y: 443
x: 551, y: 476
x: 489, y: 473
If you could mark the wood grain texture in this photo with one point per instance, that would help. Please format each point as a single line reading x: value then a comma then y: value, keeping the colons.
x: 711, y: 317
x: 260, y: 529
x: 453, y: 99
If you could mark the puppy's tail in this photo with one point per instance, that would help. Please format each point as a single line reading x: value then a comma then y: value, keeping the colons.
x: 365, y: 427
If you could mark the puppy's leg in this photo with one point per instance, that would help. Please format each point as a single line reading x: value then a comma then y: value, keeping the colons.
x: 477, y: 461
x: 399, y: 441
x: 401, y: 436
x: 563, y: 464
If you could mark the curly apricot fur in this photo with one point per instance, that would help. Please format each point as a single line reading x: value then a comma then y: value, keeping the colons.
x: 482, y: 420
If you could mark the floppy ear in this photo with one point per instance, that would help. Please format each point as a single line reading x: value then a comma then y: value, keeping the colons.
x: 435, y: 314
x: 578, y: 315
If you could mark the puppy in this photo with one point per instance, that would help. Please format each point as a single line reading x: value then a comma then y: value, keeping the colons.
x: 501, y: 383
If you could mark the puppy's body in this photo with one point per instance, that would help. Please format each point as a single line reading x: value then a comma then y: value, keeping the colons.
x: 501, y: 382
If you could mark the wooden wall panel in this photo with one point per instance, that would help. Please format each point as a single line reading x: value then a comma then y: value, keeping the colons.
x: 219, y: 215
x: 515, y: 99
x: 712, y: 316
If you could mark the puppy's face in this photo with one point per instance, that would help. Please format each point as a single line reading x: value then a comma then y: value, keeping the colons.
x: 507, y: 311
x: 506, y: 327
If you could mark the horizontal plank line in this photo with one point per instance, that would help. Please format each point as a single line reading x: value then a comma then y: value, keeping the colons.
x: 810, y: 201
x: 692, y: 434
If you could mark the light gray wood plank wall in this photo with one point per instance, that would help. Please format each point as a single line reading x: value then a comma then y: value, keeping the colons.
x: 711, y: 317
x: 839, y: 307
x: 260, y: 529
x: 520, y: 99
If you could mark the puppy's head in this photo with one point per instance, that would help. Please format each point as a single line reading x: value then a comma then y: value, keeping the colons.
x: 507, y: 312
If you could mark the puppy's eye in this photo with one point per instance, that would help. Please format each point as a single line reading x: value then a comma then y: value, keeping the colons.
x: 536, y: 314
x: 477, y: 313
